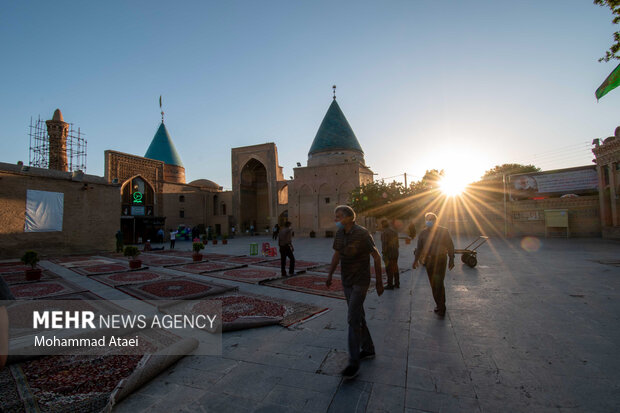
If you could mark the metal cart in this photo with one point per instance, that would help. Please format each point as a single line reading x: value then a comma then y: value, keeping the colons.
x: 469, y: 255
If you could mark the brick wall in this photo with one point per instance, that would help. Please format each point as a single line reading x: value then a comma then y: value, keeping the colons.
x: 90, y: 218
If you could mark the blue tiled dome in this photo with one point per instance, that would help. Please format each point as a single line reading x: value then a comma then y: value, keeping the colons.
x: 335, y: 133
x: 162, y: 148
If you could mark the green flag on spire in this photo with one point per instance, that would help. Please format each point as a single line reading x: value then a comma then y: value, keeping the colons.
x: 612, y: 82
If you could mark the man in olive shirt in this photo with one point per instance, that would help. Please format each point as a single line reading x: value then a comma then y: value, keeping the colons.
x: 434, y: 244
x: 353, y: 247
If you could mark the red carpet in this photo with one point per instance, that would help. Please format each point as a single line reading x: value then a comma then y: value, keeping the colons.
x: 131, y: 277
x: 174, y: 289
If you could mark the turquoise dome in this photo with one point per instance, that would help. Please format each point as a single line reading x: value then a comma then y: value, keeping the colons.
x: 335, y: 133
x: 162, y: 148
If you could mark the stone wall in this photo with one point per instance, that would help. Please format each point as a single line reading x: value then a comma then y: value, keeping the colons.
x: 90, y: 218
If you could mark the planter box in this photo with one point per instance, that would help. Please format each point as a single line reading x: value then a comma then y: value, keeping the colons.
x: 197, y: 256
x: 214, y: 242
x: 33, y: 275
x: 134, y: 264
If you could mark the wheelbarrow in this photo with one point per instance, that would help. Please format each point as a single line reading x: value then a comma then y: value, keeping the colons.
x: 469, y: 256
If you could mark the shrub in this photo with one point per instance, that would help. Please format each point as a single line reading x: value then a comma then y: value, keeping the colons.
x: 30, y: 258
x: 131, y: 251
x: 197, y: 246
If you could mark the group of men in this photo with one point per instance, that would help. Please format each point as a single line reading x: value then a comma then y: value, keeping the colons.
x: 354, y: 245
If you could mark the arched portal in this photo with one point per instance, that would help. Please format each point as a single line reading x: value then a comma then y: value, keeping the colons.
x: 254, y: 197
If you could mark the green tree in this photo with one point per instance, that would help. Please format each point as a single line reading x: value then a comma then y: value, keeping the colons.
x: 491, y: 187
x: 612, y: 53
x: 374, y: 199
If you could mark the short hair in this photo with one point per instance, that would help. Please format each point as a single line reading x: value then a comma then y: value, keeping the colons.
x: 430, y: 215
x: 385, y: 223
x: 346, y: 210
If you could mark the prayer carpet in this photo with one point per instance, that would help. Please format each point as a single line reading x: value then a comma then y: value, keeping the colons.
x: 104, y: 269
x: 311, y: 284
x: 175, y: 289
x: 247, y: 275
x: 206, y: 267
x: 88, y: 383
x: 300, y: 265
x: 131, y: 277
x: 44, y: 289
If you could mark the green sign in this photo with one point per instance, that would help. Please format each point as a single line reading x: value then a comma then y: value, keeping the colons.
x: 137, y: 197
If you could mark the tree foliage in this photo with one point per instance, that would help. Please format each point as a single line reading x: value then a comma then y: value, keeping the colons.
x: 612, y: 53
x: 491, y: 187
x: 498, y: 171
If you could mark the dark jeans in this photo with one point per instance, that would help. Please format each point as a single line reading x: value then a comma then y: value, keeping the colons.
x: 436, y: 270
x: 172, y: 241
x: 359, y: 336
x: 286, y: 251
x: 275, y: 235
x: 119, y: 246
x: 392, y: 271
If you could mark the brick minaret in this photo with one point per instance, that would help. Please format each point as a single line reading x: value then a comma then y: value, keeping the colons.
x: 57, y: 131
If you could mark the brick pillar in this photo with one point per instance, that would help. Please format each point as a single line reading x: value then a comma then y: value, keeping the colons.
x: 57, y: 130
x: 601, y: 195
x: 612, y: 194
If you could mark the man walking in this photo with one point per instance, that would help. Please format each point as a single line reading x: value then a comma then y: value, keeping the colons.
x: 285, y: 241
x: 173, y: 238
x: 434, y: 244
x: 389, y: 251
x: 353, y: 246
x: 119, y: 241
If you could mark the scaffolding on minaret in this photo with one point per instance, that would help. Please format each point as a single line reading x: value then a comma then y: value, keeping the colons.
x: 40, y: 146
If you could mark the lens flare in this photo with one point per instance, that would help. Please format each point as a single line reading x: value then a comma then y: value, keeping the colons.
x: 530, y: 244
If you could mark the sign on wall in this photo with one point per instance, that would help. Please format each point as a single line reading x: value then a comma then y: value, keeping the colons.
x: 44, y: 211
x: 525, y: 186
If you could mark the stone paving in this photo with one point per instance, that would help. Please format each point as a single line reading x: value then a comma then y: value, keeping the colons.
x: 533, y: 328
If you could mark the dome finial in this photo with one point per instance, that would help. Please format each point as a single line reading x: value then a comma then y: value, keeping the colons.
x: 334, y: 88
x: 162, y: 112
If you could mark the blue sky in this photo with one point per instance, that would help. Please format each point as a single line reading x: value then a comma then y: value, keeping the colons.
x: 459, y: 85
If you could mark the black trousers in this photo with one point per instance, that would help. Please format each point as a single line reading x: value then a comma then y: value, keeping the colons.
x: 286, y: 251
x: 436, y: 271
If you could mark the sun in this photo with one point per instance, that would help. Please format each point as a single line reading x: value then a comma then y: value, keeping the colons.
x: 453, y: 184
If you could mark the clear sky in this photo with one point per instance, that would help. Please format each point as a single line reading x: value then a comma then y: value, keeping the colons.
x: 458, y: 85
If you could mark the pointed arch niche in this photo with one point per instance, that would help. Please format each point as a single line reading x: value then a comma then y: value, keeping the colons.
x: 254, y: 196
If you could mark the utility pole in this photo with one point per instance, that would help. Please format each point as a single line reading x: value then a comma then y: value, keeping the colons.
x: 405, y: 180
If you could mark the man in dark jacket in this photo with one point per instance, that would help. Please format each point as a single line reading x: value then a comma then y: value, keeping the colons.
x: 434, y: 246
x: 389, y: 251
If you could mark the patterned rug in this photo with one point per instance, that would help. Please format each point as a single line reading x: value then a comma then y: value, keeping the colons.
x: 247, y: 275
x: 87, y: 263
x: 104, y: 269
x: 73, y: 258
x: 246, y: 310
x: 175, y: 289
x: 13, y: 266
x: 311, y: 284
x: 20, y: 278
x: 89, y: 383
x: 206, y: 267
x: 215, y: 256
x: 175, y: 253
x: 247, y: 260
x: 300, y: 265
x: 44, y: 289
x: 131, y: 277
x: 148, y: 259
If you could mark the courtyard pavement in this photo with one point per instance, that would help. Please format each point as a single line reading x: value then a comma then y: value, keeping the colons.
x: 533, y: 328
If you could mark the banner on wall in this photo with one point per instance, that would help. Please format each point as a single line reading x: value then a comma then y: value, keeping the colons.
x: 44, y: 211
x: 569, y: 181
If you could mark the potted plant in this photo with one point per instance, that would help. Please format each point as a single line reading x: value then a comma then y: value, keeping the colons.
x: 132, y: 252
x: 214, y: 240
x: 197, y: 246
x: 32, y: 258
x: 224, y: 239
x: 312, y: 234
x: 204, y: 239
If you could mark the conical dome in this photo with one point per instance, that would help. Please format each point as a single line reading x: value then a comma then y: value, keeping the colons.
x: 335, y: 133
x: 162, y: 148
